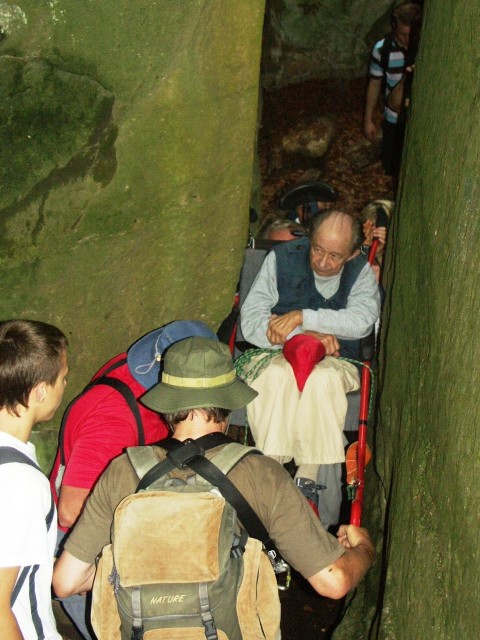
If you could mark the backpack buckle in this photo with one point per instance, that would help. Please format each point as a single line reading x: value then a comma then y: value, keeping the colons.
x: 183, y: 455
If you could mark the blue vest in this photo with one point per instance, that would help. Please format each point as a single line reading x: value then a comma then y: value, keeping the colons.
x: 296, y: 285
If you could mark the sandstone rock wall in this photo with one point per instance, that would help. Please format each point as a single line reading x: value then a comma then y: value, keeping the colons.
x: 126, y: 151
x: 307, y: 39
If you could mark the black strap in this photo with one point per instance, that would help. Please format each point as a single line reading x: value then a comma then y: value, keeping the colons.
x: 179, y: 454
x: 116, y: 384
x: 188, y: 450
x: 124, y: 390
x: 249, y: 519
x: 191, y: 454
x: 385, y: 59
x: 112, y: 367
x: 9, y: 455
x: 206, y: 442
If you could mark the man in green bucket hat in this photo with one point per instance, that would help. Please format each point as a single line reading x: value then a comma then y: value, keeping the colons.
x: 198, y: 389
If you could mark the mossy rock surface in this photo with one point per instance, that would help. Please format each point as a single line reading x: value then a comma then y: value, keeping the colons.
x: 126, y: 164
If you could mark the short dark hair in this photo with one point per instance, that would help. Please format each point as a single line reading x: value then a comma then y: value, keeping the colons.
x: 357, y: 230
x: 407, y: 13
x: 30, y: 353
x: 212, y: 414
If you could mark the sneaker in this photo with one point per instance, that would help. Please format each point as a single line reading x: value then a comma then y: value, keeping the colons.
x: 310, y: 490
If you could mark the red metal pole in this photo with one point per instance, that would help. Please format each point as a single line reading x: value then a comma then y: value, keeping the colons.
x: 357, y: 504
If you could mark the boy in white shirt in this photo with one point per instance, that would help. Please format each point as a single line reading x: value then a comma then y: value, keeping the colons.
x: 33, y: 369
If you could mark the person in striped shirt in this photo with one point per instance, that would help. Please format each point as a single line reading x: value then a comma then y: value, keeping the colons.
x: 386, y: 71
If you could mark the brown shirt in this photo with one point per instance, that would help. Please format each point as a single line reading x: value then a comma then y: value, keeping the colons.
x: 267, y: 487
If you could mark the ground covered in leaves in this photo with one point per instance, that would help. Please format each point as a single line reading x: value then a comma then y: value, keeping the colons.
x: 351, y: 163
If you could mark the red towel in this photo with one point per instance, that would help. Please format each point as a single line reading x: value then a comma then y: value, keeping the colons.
x: 303, y: 352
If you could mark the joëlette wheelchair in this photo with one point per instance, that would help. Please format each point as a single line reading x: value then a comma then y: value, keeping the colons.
x: 359, y: 402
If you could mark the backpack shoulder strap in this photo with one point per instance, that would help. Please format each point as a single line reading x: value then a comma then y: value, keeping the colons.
x: 210, y: 472
x: 247, y: 516
x: 125, y: 391
x: 116, y: 384
x: 10, y: 454
x: 142, y: 459
x: 385, y: 51
x: 231, y: 455
x: 177, y: 454
x: 385, y: 59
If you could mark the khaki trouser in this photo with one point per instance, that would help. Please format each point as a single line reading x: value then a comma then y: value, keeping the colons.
x: 308, y: 426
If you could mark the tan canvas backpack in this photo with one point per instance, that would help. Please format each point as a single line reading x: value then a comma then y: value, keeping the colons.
x: 180, y: 566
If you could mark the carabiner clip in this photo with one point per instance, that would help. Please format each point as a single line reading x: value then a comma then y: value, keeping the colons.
x: 280, y: 568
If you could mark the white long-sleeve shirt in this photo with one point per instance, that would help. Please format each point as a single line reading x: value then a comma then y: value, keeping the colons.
x: 352, y: 323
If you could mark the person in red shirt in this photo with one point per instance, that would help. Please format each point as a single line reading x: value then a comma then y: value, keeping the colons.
x: 101, y: 422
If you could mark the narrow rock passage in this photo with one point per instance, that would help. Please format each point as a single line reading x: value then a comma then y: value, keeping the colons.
x: 351, y: 163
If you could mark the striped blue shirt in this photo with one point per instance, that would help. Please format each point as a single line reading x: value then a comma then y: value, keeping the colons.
x: 393, y: 73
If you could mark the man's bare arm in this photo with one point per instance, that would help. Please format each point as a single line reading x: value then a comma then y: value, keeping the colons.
x: 70, y: 504
x: 373, y: 93
x: 71, y: 575
x: 9, y: 629
x: 344, y: 574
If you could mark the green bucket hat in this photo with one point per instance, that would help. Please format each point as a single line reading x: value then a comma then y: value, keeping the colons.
x: 198, y: 372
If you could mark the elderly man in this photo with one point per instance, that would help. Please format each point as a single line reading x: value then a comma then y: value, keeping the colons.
x: 322, y: 287
x: 198, y: 389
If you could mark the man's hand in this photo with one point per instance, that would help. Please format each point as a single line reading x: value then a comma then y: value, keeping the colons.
x: 350, y: 537
x: 331, y: 344
x: 279, y: 327
x: 345, y: 573
x: 381, y: 234
x: 370, y: 231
